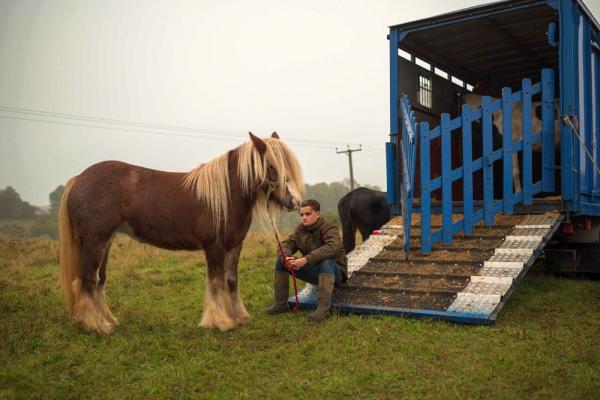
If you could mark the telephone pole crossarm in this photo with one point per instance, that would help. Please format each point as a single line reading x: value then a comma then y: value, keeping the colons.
x: 349, y: 151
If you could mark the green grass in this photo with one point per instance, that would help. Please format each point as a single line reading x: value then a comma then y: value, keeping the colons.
x: 545, y: 344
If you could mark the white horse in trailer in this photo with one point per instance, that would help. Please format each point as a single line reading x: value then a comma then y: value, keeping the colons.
x: 474, y: 100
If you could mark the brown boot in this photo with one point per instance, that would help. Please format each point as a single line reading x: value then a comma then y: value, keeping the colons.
x: 326, y: 282
x: 282, y: 288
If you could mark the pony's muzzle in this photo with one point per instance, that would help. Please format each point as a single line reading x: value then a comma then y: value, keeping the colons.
x: 289, y: 203
x: 296, y: 202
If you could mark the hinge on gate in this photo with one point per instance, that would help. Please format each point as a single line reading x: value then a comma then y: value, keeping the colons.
x: 551, y: 33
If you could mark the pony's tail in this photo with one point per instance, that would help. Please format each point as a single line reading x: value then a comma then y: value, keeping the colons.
x: 68, y: 251
x: 348, y: 228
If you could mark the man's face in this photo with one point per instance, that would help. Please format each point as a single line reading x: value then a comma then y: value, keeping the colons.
x: 309, y: 216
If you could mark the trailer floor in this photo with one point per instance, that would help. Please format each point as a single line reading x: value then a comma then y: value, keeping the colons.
x: 468, y: 281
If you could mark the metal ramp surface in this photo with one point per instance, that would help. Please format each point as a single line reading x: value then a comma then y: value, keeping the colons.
x: 468, y: 281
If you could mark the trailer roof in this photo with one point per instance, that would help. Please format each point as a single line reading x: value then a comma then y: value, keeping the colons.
x: 480, y: 10
x: 501, y: 42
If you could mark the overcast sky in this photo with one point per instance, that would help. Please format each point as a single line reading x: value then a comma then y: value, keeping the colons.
x: 85, y: 81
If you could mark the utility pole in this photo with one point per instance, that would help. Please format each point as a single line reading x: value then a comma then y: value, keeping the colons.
x: 349, y: 151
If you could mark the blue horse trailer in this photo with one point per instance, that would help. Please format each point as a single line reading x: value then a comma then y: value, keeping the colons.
x: 492, y: 161
x: 540, y: 53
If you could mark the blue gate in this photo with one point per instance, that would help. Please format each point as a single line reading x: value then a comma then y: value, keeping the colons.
x: 408, y: 147
x: 462, y: 125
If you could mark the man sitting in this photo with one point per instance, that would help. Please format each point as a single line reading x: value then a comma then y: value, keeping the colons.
x: 323, y: 260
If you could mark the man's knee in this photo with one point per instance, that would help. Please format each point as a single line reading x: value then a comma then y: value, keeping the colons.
x: 328, y: 266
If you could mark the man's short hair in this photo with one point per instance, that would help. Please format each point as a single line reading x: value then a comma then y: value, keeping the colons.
x: 312, y: 203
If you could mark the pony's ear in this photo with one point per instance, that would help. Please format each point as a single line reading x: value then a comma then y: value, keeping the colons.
x: 274, y: 135
x: 259, y: 144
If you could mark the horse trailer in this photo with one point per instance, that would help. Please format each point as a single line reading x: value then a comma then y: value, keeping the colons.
x: 487, y: 187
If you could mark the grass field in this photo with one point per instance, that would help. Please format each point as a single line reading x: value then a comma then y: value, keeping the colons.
x: 545, y: 344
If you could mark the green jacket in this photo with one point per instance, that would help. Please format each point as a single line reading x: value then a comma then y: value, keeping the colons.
x: 318, y: 242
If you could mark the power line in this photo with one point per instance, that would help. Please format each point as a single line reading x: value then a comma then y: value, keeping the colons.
x: 118, y: 128
x: 206, y: 133
x: 373, y: 148
x: 111, y: 121
x: 294, y: 142
x: 377, y: 156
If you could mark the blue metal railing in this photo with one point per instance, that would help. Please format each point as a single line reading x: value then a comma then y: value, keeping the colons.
x: 465, y: 172
x: 408, y: 152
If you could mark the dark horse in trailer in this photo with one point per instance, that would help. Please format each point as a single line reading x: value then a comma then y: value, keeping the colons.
x: 209, y: 208
x: 363, y: 209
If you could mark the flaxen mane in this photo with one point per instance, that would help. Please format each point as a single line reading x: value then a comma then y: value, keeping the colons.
x: 211, y: 180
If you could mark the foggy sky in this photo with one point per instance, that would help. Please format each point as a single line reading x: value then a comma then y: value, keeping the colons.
x: 314, y: 71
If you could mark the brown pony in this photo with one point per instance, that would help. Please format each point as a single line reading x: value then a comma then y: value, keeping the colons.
x: 474, y: 100
x: 208, y: 208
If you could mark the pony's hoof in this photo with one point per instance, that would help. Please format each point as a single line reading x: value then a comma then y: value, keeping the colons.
x: 106, y: 329
x: 244, y: 319
x: 224, y: 325
x: 111, y: 319
x: 103, y: 328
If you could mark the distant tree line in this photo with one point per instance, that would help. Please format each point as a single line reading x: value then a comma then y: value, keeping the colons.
x: 13, y: 208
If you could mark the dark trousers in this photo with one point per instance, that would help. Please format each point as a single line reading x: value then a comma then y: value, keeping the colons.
x: 310, y: 272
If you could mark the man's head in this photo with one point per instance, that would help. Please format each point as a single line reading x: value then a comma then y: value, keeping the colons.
x: 310, y: 211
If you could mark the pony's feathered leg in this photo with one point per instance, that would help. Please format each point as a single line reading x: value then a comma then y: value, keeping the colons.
x: 82, y: 297
x: 232, y: 257
x: 91, y: 310
x: 101, y: 297
x: 218, y: 303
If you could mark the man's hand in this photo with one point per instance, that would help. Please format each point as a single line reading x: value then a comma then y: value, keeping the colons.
x: 296, y: 263
x: 288, y: 259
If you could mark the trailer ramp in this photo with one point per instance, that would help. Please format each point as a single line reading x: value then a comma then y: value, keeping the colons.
x: 468, y: 281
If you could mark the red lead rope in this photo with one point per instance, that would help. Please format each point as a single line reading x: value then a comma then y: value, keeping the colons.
x: 290, y: 270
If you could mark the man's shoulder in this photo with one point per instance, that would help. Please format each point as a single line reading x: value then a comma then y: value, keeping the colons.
x: 327, y: 224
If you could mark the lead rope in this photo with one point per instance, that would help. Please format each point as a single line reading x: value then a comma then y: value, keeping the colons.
x: 567, y: 120
x: 281, y: 253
